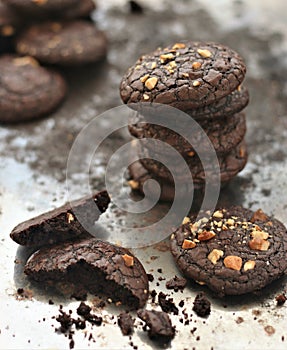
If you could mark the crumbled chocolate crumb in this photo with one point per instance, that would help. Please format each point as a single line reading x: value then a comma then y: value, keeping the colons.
x: 176, y: 283
x: 281, y: 298
x: 126, y: 323
x: 153, y: 295
x: 159, y: 270
x: 20, y: 291
x: 201, y: 305
x: 150, y: 277
x: 181, y: 303
x: 167, y: 305
x: 84, y: 309
x: 51, y: 302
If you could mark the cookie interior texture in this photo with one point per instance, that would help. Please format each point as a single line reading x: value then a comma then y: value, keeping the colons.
x: 234, y: 251
x: 96, y: 266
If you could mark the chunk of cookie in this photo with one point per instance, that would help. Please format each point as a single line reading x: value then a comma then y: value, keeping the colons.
x: 99, y: 267
x: 159, y: 325
x: 184, y: 75
x: 61, y: 224
x: 66, y: 43
x: 233, y: 251
x: 28, y: 91
x: 224, y: 134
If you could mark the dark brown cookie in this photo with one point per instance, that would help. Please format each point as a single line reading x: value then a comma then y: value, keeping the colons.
x: 98, y: 267
x: 224, y: 134
x: 28, y: 90
x: 230, y: 165
x: 38, y: 7
x: 61, y: 224
x: 234, y: 251
x: 126, y: 323
x: 75, y: 42
x: 159, y: 325
x: 184, y: 75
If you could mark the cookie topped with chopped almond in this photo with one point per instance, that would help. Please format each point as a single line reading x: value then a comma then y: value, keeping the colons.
x: 184, y: 75
x: 233, y: 250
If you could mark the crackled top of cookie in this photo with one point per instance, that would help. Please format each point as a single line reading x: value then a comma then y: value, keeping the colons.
x: 184, y: 75
x: 232, y: 251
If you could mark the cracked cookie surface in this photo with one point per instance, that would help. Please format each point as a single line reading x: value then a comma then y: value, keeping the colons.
x: 184, y: 75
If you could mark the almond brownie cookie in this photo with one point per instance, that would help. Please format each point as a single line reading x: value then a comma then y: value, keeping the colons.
x: 184, y: 75
x: 224, y: 134
x: 230, y: 164
x: 66, y: 43
x: 61, y: 224
x: 27, y: 90
x: 233, y: 251
x: 95, y: 266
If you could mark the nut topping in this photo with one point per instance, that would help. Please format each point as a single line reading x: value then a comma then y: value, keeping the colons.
x: 129, y: 260
x: 233, y: 262
x: 196, y: 83
x: 150, y: 83
x: 259, y: 234
x: 178, y: 46
x: 206, y: 235
x: 259, y: 215
x: 70, y: 217
x: 249, y: 265
x: 215, y: 255
x: 218, y: 214
x: 144, y: 78
x: 134, y: 184
x: 259, y: 244
x: 166, y: 57
x: 188, y: 244
x: 196, y: 65
x: 204, y: 53
x: 186, y: 220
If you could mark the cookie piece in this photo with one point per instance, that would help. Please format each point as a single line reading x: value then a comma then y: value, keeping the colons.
x: 184, y: 75
x: 224, y: 134
x: 28, y: 91
x: 61, y: 224
x: 38, y: 7
x: 230, y: 165
x: 235, y: 251
x: 126, y: 323
x: 201, y: 305
x: 159, y: 325
x: 68, y: 43
x: 97, y: 266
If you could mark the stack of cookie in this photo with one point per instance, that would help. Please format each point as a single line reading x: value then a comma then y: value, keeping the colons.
x: 50, y: 32
x: 204, y: 81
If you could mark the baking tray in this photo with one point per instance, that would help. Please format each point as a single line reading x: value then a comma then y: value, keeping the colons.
x: 33, y: 176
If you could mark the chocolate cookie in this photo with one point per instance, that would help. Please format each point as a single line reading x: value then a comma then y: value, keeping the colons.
x: 230, y: 165
x: 98, y: 267
x: 75, y: 42
x: 224, y: 134
x: 184, y: 75
x: 28, y: 90
x: 61, y: 224
x: 233, y: 251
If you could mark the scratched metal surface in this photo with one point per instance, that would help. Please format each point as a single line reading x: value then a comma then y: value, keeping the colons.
x: 34, y: 156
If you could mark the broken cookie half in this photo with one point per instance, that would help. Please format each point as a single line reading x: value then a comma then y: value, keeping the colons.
x: 93, y: 265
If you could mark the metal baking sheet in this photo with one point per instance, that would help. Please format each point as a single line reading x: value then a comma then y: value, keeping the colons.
x: 33, y: 175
